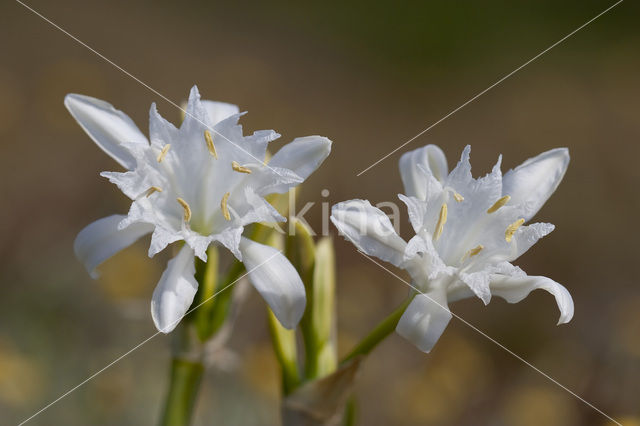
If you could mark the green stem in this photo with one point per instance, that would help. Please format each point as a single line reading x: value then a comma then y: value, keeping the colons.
x: 183, y: 389
x: 379, y: 333
x: 223, y: 298
x: 350, y: 411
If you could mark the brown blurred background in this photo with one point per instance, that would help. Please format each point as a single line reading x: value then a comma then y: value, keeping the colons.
x: 369, y: 75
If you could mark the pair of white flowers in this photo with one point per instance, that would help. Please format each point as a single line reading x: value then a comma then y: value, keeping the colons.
x: 204, y: 182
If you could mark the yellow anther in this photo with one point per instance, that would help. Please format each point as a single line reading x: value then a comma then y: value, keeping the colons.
x: 511, y: 229
x: 501, y: 202
x: 442, y: 219
x: 153, y: 189
x: 210, y: 146
x: 164, y: 151
x: 238, y: 168
x: 475, y: 250
x: 458, y: 197
x: 187, y: 209
x: 224, y: 207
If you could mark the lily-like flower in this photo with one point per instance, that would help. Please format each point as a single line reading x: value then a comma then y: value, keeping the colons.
x: 467, y: 233
x: 202, y: 184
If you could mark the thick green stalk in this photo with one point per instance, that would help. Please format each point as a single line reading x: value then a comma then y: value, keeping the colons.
x: 379, y: 333
x: 183, y: 390
x: 205, y: 299
x: 284, y: 345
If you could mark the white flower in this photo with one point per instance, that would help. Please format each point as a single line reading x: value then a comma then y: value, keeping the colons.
x: 201, y: 184
x: 467, y: 233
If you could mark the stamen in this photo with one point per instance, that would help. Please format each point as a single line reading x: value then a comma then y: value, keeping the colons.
x: 501, y: 202
x: 458, y: 197
x: 238, y: 168
x: 187, y: 209
x: 210, y: 146
x: 442, y: 219
x: 475, y: 250
x: 152, y: 190
x: 511, y: 229
x: 223, y: 206
x: 164, y: 151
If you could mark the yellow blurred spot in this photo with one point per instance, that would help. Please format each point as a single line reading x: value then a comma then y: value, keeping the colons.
x: 129, y: 274
x: 21, y: 377
x: 261, y: 370
x: 535, y: 406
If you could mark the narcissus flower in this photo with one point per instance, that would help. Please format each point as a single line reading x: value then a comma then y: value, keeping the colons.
x: 467, y: 233
x: 202, y: 184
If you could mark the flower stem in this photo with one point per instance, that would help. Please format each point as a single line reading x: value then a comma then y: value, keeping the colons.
x: 185, y: 381
x: 379, y: 333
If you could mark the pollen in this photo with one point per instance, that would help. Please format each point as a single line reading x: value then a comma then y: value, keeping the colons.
x: 458, y: 197
x: 152, y: 190
x: 210, y: 146
x: 224, y: 207
x: 164, y: 151
x: 442, y: 219
x: 475, y: 250
x: 238, y: 168
x: 511, y: 229
x: 501, y: 202
x: 187, y: 209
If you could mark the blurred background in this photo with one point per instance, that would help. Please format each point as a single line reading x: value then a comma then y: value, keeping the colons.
x: 368, y: 75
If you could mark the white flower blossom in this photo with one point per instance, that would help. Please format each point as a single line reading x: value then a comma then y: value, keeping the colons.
x: 467, y: 233
x: 202, y: 184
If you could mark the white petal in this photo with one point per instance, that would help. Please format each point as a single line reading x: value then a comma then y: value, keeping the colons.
x: 218, y: 111
x: 431, y: 159
x: 532, y: 183
x: 107, y: 126
x: 425, y: 319
x: 230, y: 238
x: 161, y: 238
x: 369, y: 229
x: 102, y: 239
x: 514, y: 289
x: 302, y: 156
x: 175, y: 291
x: 417, y: 210
x: 460, y: 176
x: 276, y: 280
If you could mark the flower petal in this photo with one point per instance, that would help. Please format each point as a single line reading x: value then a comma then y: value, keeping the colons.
x: 532, y: 183
x: 425, y: 319
x: 102, y: 239
x: 431, y: 159
x: 302, y: 156
x: 276, y: 280
x: 515, y: 288
x: 218, y: 111
x: 369, y: 229
x: 107, y: 126
x: 175, y: 291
